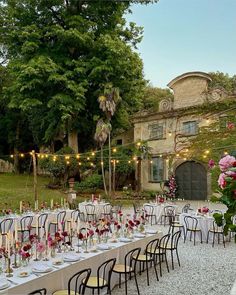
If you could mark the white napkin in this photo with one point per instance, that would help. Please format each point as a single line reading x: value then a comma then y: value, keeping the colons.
x: 3, y: 283
x: 104, y: 247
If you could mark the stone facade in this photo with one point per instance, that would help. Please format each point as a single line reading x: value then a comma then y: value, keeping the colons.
x: 168, y: 130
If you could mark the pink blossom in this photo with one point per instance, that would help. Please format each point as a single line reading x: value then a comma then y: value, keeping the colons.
x: 226, y: 162
x: 230, y: 125
x: 40, y: 247
x: 221, y: 180
x: 211, y: 164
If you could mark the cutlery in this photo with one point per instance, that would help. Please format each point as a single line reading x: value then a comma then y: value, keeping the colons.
x: 14, y: 283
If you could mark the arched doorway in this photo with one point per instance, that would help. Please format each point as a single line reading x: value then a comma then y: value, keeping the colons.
x: 191, y: 179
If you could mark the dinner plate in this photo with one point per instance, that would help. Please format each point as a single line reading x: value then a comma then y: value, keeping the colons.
x: 42, y: 269
x: 125, y: 240
x: 71, y: 257
x: 151, y: 231
x: 139, y: 235
x: 104, y: 247
x: 4, y: 285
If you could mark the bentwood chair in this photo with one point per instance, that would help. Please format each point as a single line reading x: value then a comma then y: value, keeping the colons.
x: 128, y: 267
x: 90, y: 212
x: 42, y: 218
x: 191, y: 225
x: 115, y: 209
x: 60, y: 221
x: 76, y: 280
x: 149, y: 211
x: 106, y: 211
x: 42, y: 291
x: 168, y: 210
x: 216, y: 230
x: 103, y: 277
x: 75, y: 216
x: 137, y: 208
x: 25, y: 226
x: 173, y: 246
x: 148, y: 257
x: 5, y: 226
x: 160, y: 252
x: 174, y: 225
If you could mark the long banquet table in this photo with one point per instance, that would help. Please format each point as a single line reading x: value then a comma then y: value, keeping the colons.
x: 59, y: 276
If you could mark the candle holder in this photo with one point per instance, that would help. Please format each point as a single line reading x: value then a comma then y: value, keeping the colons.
x: 36, y: 254
x: 46, y: 252
x: 86, y: 246
x: 15, y: 264
x: 9, y: 270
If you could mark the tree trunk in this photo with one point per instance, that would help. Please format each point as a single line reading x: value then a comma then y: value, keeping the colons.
x: 103, y: 174
x: 16, y: 152
x: 73, y: 140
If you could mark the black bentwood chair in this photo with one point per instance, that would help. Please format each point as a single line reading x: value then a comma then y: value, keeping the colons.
x: 148, y: 257
x: 25, y: 226
x: 42, y: 291
x: 76, y: 280
x: 103, y: 277
x: 90, y: 212
x: 60, y: 222
x: 128, y: 268
x: 149, y: 211
x: 173, y: 246
x: 216, y: 231
x: 191, y: 224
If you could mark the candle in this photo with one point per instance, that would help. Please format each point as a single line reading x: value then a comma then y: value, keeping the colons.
x: 51, y: 204
x: 61, y: 202
x: 37, y: 226
x: 16, y: 231
x: 41, y: 232
x: 69, y: 228
x: 8, y: 245
x: 46, y: 230
x: 20, y: 206
x: 36, y: 205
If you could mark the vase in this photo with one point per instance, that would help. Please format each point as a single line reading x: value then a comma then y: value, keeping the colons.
x: 53, y: 252
x: 24, y: 262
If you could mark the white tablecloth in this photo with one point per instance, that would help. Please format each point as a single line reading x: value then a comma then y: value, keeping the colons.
x: 98, y: 207
x: 204, y: 223
x: 58, y: 278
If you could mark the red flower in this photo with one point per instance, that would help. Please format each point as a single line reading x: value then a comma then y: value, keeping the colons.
x: 80, y: 236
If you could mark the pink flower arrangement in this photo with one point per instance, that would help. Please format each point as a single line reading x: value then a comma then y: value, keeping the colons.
x: 227, y: 162
x: 211, y: 164
x: 203, y: 210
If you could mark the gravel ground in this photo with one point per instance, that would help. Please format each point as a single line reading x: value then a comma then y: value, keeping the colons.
x: 204, y: 271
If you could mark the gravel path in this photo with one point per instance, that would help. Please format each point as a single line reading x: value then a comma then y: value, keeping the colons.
x: 204, y: 271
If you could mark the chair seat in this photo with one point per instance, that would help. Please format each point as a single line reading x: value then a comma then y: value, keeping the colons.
x: 192, y: 229
x: 157, y: 252
x: 176, y: 225
x: 142, y: 257
x: 61, y: 292
x: 216, y: 231
x: 121, y: 268
x: 93, y: 282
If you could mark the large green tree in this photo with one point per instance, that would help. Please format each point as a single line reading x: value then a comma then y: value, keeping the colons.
x: 61, y: 54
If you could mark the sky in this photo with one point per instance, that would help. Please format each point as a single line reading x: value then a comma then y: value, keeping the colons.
x: 186, y: 35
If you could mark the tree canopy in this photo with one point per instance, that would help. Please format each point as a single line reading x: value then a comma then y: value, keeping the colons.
x: 61, y: 55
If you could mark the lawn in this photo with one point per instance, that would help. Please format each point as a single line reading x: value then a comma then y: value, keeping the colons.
x: 15, y: 188
x: 19, y: 187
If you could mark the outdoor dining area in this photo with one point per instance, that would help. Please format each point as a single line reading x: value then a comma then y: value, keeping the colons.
x: 97, y: 247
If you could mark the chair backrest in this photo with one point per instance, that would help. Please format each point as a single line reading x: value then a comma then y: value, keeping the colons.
x: 42, y: 219
x: 186, y: 208
x: 217, y: 228
x: 190, y: 222
x: 107, y: 209
x: 5, y: 225
x: 163, y: 241
x: 90, y: 209
x: 25, y: 222
x: 61, y: 217
x: 75, y: 214
x: 169, y: 209
x: 129, y: 261
x: 149, y: 209
x: 42, y: 291
x: 175, y: 239
x: 79, y: 280
x: 137, y: 207
x: 105, y: 270
x: 151, y: 246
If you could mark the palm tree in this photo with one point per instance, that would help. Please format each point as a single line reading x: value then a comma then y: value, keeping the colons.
x: 101, y: 134
x: 107, y: 104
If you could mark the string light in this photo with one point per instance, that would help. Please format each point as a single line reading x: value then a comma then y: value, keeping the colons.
x: 204, y: 156
x: 207, y: 151
x: 67, y: 157
x: 80, y: 163
x: 138, y: 143
x: 151, y: 162
x: 102, y: 163
x: 93, y: 154
x: 225, y: 153
x: 114, y: 150
x: 67, y: 162
x: 129, y: 162
x: 12, y: 156
x: 177, y: 155
x: 91, y: 164
x: 88, y: 158
x: 134, y: 158
x: 117, y: 161
x: 77, y: 156
x: 22, y: 155
x: 160, y: 156
x: 169, y: 133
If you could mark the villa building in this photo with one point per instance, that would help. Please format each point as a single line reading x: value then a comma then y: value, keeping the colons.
x: 167, y: 132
